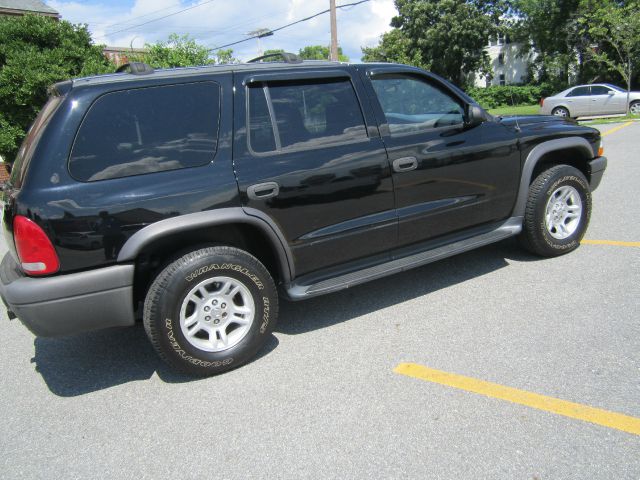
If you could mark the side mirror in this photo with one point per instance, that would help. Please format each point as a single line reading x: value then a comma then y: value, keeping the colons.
x: 475, y: 116
x: 611, y: 92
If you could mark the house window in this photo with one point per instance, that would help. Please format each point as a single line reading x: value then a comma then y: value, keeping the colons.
x: 502, y: 80
x: 501, y: 59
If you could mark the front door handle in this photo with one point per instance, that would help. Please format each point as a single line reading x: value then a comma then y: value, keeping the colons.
x: 262, y: 191
x: 405, y: 164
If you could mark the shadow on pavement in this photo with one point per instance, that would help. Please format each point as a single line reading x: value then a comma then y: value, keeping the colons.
x: 327, y: 310
x: 89, y: 362
x: 84, y: 363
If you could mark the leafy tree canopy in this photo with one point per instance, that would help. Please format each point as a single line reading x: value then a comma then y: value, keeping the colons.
x: 447, y: 37
x: 611, y: 36
x: 320, y: 52
x: 181, y: 51
x: 35, y: 52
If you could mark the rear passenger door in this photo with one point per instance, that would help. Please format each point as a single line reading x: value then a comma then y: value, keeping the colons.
x: 579, y: 101
x: 308, y: 155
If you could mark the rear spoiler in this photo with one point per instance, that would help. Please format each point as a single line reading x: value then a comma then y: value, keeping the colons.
x: 60, y: 89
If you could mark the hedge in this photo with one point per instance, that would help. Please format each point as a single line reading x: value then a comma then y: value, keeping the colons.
x: 498, y: 96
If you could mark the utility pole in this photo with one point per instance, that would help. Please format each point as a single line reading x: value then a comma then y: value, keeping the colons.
x: 334, y: 32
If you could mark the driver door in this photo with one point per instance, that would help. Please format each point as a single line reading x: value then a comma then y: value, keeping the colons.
x: 446, y: 177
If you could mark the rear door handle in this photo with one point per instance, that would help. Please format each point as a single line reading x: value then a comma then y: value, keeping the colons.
x: 405, y: 164
x: 262, y: 191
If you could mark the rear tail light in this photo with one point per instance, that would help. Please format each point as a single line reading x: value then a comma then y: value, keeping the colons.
x: 35, y: 251
x: 542, y: 102
x: 600, y: 149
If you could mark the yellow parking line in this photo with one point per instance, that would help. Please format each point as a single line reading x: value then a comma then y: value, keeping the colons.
x: 615, y: 129
x: 610, y: 242
x: 522, y: 397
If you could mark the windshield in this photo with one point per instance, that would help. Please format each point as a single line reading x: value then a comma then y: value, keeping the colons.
x: 21, y: 163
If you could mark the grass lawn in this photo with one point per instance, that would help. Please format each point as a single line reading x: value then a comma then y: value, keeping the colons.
x: 518, y: 110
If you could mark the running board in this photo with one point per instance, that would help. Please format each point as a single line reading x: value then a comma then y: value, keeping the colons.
x: 511, y: 227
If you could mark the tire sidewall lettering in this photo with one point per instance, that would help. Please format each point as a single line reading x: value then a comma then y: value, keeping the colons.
x: 179, y: 351
x: 225, y: 266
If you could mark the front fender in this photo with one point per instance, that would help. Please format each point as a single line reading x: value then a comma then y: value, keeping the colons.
x: 534, y: 157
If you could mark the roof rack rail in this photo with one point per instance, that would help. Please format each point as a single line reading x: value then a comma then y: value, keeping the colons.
x: 136, y: 68
x: 286, y: 57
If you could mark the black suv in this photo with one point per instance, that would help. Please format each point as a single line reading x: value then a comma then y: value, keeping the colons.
x: 191, y: 196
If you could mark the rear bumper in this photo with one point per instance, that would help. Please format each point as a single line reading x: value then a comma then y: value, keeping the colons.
x: 597, y: 166
x: 71, y: 303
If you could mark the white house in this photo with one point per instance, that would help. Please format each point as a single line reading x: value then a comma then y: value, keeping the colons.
x: 508, y: 66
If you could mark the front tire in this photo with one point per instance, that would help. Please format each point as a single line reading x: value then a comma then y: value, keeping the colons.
x: 634, y: 108
x: 557, y: 212
x: 210, y: 310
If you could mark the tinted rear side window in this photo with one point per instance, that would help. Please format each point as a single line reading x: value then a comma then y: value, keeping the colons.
x: 579, y: 92
x: 146, y: 130
x: 308, y: 114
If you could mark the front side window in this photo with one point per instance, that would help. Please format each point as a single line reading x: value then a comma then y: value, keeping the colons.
x: 303, y: 114
x: 146, y: 130
x: 600, y: 90
x: 412, y: 104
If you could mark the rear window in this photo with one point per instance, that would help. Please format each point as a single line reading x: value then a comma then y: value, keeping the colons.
x: 21, y: 163
x: 147, y: 130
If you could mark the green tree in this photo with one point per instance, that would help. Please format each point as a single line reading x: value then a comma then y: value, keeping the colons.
x: 447, y: 37
x: 35, y: 52
x: 273, y: 51
x: 394, y: 47
x: 613, y: 33
x: 545, y: 26
x: 181, y: 51
x: 320, y: 52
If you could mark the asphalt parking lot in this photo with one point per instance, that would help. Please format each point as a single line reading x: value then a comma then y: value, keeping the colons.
x: 329, y: 398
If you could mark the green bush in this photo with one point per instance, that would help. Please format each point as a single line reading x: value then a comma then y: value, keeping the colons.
x: 35, y: 52
x: 512, y: 95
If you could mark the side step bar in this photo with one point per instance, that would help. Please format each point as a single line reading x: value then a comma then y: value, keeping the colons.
x: 511, y: 227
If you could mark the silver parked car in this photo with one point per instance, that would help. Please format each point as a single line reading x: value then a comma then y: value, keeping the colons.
x: 586, y: 100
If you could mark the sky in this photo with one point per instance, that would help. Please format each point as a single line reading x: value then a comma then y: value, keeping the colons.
x: 213, y: 23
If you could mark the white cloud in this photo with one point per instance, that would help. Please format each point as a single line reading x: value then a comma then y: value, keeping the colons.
x: 220, y: 22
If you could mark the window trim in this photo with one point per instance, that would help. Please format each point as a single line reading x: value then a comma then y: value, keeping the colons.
x: 128, y: 89
x: 301, y: 76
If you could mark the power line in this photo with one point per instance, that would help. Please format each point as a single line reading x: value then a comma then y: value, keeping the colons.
x: 159, y: 18
x: 129, y: 20
x: 306, y: 19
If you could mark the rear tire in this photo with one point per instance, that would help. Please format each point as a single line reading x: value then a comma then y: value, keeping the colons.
x: 557, y: 212
x: 634, y: 108
x: 560, y: 112
x: 210, y: 310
